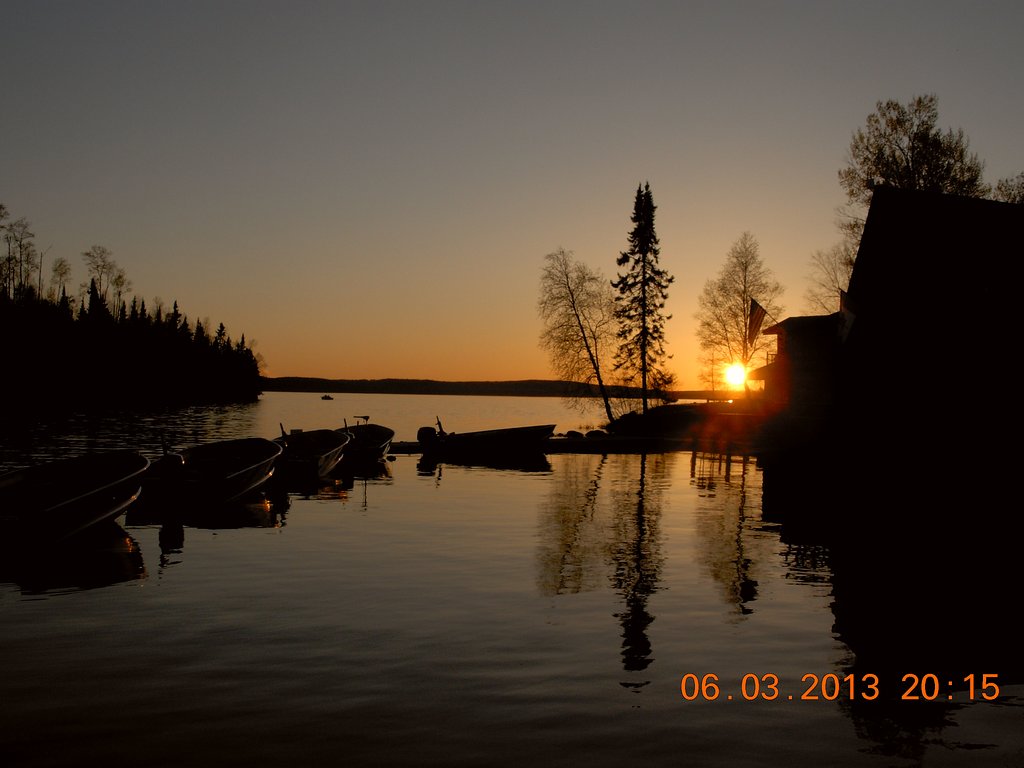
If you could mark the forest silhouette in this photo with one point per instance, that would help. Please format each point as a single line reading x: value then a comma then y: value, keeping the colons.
x: 60, y: 359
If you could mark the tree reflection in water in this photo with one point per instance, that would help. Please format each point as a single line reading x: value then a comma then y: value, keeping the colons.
x: 570, y: 557
x: 635, y: 552
x: 721, y: 524
x: 602, y: 526
x: 623, y: 521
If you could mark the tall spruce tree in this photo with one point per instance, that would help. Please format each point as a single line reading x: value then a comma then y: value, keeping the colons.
x: 640, y: 302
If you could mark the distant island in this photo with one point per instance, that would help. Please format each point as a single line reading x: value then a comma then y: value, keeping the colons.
x: 521, y: 388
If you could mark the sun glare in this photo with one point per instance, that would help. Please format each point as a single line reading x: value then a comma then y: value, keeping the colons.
x: 735, y: 375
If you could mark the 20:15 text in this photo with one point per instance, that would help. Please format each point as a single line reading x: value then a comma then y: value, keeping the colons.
x: 830, y: 686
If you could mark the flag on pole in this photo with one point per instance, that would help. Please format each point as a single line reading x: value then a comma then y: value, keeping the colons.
x: 754, y: 321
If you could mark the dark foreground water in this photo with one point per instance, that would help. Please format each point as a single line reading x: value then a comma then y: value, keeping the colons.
x: 459, y: 616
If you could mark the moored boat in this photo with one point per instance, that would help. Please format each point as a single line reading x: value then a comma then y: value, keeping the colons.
x: 59, y: 499
x: 220, y: 471
x: 310, y: 454
x: 368, y: 443
x: 506, y: 442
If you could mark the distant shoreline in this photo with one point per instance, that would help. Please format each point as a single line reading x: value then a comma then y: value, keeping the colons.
x: 524, y: 388
x: 521, y: 388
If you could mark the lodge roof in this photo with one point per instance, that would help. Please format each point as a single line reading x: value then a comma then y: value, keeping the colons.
x: 800, y: 323
x: 933, y: 274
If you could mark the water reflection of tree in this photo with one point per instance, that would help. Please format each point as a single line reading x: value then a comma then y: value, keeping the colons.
x: 635, y: 551
x: 726, y: 519
x: 601, y: 525
x: 807, y: 563
x: 571, y: 551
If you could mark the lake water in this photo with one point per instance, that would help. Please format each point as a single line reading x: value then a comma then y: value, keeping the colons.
x: 462, y: 616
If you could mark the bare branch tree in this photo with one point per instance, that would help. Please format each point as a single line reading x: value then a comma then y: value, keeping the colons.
x: 60, y: 271
x: 830, y: 273
x: 101, y: 267
x: 577, y: 308
x: 22, y: 258
x: 724, y: 315
x: 121, y: 285
x: 1010, y: 189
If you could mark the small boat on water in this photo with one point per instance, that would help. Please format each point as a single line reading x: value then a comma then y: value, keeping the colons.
x: 310, y: 455
x: 368, y: 444
x: 326, y: 397
x: 59, y: 499
x: 221, y: 471
x: 507, y: 442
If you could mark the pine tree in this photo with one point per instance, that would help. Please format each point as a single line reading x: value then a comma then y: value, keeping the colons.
x: 97, y: 310
x: 640, y: 302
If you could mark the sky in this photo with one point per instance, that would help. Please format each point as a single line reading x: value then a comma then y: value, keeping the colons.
x: 368, y: 189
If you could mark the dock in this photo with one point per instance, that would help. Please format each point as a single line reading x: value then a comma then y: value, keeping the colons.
x: 610, y: 445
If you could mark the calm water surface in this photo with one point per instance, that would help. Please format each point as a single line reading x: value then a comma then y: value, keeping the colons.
x: 459, y: 616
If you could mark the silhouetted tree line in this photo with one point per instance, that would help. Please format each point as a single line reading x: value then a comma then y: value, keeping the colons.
x: 60, y: 356
x: 135, y: 358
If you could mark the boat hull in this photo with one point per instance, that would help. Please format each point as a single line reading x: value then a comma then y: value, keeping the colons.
x: 62, y: 498
x: 368, y: 445
x: 216, y: 472
x: 486, y: 444
x: 310, y: 455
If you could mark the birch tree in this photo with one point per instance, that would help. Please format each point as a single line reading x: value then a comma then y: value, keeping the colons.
x: 577, y: 309
x: 725, y: 305
x: 830, y: 273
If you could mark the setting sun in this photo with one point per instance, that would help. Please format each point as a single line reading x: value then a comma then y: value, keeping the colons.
x: 735, y: 374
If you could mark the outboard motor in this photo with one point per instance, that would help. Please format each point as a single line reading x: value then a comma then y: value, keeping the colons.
x: 427, y: 437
